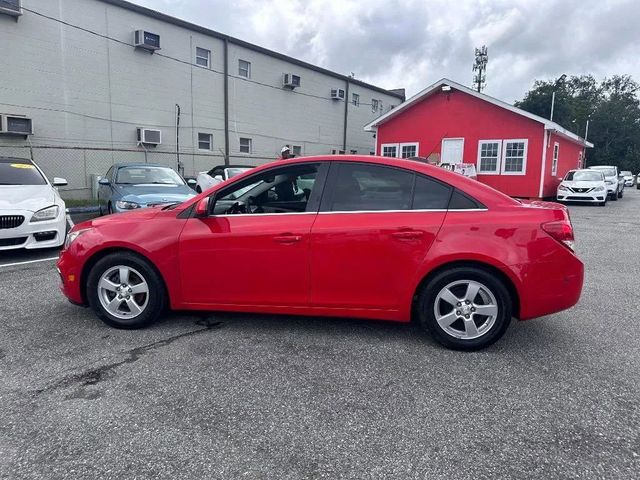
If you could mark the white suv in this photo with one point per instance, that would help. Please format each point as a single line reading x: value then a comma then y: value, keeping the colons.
x: 615, y: 183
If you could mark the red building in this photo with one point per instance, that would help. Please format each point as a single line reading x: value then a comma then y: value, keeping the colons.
x: 516, y: 152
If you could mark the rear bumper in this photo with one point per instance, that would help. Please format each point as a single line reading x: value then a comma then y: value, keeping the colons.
x: 550, y: 287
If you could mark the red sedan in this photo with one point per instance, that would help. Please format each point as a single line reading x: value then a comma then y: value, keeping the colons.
x: 345, y: 236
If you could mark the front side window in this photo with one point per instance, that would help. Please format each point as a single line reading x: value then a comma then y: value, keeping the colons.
x: 146, y: 175
x: 489, y: 156
x: 203, y: 57
x: 514, y: 157
x: 19, y: 172
x: 205, y: 141
x: 244, y: 68
x: 371, y: 187
x: 282, y: 191
x: 245, y: 145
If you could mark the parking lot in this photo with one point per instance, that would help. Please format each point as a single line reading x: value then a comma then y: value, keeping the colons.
x: 255, y: 396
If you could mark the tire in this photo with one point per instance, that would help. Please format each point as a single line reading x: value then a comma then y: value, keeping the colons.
x: 614, y: 197
x: 459, y: 335
x: 104, y: 280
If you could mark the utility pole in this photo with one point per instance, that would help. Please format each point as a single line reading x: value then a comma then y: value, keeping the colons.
x: 480, y: 66
x: 553, y: 94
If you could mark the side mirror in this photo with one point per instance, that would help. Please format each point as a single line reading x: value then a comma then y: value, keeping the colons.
x: 104, y: 181
x: 219, y: 178
x: 202, y: 208
x: 59, y: 182
x: 191, y: 182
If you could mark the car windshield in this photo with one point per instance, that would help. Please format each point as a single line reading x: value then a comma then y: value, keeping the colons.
x: 584, y: 176
x: 607, y: 172
x: 627, y: 173
x: 19, y: 172
x: 139, y: 175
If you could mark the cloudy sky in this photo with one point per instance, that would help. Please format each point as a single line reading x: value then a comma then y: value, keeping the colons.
x: 412, y: 43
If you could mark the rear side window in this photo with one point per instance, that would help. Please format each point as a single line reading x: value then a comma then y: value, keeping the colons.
x: 371, y: 187
x: 460, y: 201
x: 430, y: 194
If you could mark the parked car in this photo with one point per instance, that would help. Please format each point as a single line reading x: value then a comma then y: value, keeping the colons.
x: 627, y: 177
x: 615, y: 183
x: 375, y: 237
x: 583, y: 186
x: 217, y: 175
x: 638, y: 181
x: 32, y: 214
x: 128, y: 186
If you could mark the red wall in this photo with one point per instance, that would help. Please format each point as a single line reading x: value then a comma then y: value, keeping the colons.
x: 568, y: 158
x: 458, y: 114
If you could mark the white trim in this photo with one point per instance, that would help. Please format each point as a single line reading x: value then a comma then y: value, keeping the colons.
x: 524, y: 155
x: 418, y: 210
x: 545, y: 139
x: 498, y: 160
x: 554, y: 159
x: 549, y: 125
x: 408, y: 144
x: 451, y: 138
x: 395, y: 145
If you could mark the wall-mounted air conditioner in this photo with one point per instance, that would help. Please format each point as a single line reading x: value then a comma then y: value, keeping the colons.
x: 337, y: 93
x: 146, y: 40
x: 17, y: 125
x: 149, y: 136
x: 290, y: 80
x: 11, y: 7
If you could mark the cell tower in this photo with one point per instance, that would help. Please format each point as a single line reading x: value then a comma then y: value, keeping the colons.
x: 480, y: 66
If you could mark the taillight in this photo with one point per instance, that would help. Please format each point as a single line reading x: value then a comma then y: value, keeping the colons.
x: 562, y: 231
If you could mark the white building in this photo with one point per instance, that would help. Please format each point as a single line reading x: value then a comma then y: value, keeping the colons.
x: 71, y: 67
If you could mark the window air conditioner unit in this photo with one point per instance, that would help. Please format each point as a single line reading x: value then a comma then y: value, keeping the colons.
x: 149, y: 136
x: 337, y: 93
x: 11, y: 7
x: 290, y: 80
x: 18, y: 125
x: 146, y: 40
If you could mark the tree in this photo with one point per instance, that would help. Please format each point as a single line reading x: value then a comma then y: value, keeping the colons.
x: 612, y: 108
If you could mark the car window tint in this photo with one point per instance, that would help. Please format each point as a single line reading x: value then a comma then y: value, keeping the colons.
x: 19, y: 172
x: 430, y: 194
x: 371, y: 187
x: 460, y: 201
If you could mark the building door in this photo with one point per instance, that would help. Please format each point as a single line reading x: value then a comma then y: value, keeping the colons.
x: 452, y: 150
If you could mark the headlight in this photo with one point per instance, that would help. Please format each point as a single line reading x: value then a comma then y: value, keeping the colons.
x: 122, y: 205
x: 71, y: 236
x: 562, y: 187
x: 49, y: 213
x: 600, y: 188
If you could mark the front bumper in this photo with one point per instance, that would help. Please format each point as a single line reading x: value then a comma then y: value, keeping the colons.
x: 592, y: 196
x: 29, y: 235
x: 70, y: 270
x: 628, y: 183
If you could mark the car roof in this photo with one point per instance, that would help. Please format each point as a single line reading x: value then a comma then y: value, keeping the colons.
x: 15, y: 160
x: 598, y: 167
x: 120, y: 165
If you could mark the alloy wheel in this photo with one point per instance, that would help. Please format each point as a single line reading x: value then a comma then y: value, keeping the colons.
x: 466, y: 309
x: 123, y: 292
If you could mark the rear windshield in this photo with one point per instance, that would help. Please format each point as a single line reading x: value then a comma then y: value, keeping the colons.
x: 20, y: 173
x: 584, y: 175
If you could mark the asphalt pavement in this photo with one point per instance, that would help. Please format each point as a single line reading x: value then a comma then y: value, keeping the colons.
x: 265, y: 397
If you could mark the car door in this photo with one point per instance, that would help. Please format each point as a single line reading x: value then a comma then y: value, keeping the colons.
x: 233, y: 257
x: 372, y: 234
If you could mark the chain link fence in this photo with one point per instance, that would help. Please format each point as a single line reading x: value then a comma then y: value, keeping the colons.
x: 81, y: 166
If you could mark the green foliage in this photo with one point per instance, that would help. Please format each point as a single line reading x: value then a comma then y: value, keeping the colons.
x: 611, y: 106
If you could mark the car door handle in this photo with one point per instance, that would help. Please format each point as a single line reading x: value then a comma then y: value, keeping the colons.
x: 287, y: 238
x: 408, y: 234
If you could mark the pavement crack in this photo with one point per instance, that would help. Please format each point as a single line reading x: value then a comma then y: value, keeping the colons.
x: 94, y: 376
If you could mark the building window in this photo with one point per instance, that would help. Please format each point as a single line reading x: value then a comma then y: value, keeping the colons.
x: 514, y: 157
x: 244, y: 68
x: 205, y: 141
x: 408, y: 150
x: 390, y: 150
x: 355, y: 99
x: 353, y: 152
x: 554, y: 162
x: 372, y: 153
x: 296, y: 150
x: 245, y: 145
x: 489, y: 156
x: 203, y: 57
x: 375, y: 104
